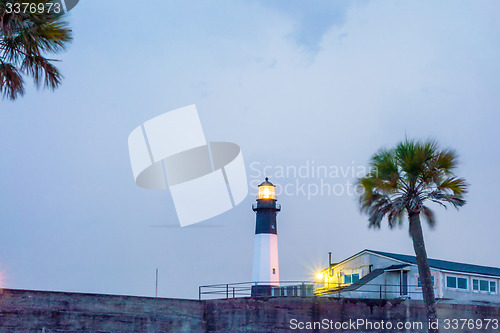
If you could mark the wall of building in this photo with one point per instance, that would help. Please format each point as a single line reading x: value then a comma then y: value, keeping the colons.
x: 360, y: 265
x: 31, y: 311
x: 469, y: 294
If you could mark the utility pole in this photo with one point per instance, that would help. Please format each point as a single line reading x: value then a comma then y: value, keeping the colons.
x: 156, y: 287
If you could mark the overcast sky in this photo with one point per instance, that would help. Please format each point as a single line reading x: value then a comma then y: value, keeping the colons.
x: 295, y: 84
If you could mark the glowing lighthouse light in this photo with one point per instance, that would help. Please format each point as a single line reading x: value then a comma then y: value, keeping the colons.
x: 267, y: 192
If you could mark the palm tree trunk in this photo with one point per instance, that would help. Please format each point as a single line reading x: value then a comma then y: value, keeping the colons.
x: 423, y: 267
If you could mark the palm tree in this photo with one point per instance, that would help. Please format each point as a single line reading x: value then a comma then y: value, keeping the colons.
x: 25, y: 40
x: 401, y: 182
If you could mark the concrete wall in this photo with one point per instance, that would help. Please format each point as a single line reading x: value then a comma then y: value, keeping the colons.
x: 254, y: 315
x: 42, y: 311
x: 31, y: 311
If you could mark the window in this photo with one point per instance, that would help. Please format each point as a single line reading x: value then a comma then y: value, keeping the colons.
x: 419, y: 285
x: 351, y: 278
x: 462, y: 283
x: 451, y: 282
x: 455, y: 282
x: 484, y: 285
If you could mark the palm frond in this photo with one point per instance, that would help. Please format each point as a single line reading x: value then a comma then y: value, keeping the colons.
x: 396, y: 214
x: 446, y: 160
x: 11, y: 81
x: 429, y: 216
x: 457, y: 185
x: 26, y: 40
x: 456, y: 200
x: 52, y: 36
x: 412, y: 157
x: 41, y: 70
x: 378, y: 207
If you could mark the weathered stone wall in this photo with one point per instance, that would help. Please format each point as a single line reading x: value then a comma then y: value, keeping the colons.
x: 37, y: 311
x: 42, y: 311
x: 258, y: 315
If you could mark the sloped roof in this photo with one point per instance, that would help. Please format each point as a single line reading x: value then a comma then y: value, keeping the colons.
x: 364, y: 280
x: 368, y: 277
x: 443, y: 264
x: 353, y: 286
x: 396, y: 267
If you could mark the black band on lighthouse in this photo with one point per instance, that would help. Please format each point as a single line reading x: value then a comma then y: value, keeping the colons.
x: 266, y: 217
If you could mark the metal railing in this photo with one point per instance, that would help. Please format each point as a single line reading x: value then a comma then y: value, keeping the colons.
x: 313, y: 288
x: 370, y: 290
x: 278, y: 206
x: 244, y: 289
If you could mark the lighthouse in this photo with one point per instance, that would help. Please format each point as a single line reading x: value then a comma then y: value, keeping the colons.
x: 265, y: 273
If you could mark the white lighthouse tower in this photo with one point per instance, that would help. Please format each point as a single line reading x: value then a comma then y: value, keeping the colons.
x: 266, y: 272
